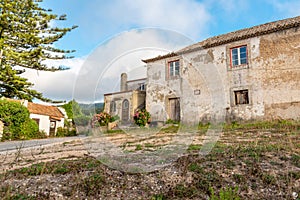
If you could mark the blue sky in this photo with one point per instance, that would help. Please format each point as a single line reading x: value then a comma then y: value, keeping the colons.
x: 102, y: 21
x: 99, y: 20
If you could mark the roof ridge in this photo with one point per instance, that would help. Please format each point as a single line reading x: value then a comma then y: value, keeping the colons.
x: 254, y: 31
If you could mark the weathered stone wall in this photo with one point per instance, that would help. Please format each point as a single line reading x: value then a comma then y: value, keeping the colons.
x: 207, y: 82
x: 135, y: 98
x: 280, y: 59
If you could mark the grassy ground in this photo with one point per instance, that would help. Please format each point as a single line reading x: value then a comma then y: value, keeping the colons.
x: 258, y: 160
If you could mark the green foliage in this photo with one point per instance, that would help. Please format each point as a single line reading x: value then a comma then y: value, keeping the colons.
x: 158, y: 197
x: 194, y: 167
x: 72, y: 109
x: 75, y: 113
x: 26, y: 40
x: 170, y: 129
x: 30, y: 130
x: 170, y: 121
x: 17, y: 123
x: 82, y: 120
x: 194, y: 147
x: 138, y: 147
x: 141, y: 117
x: 65, y: 132
x: 225, y: 194
x: 284, y: 125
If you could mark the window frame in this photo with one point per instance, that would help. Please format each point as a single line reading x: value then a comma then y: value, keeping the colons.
x: 142, y: 86
x: 239, y: 59
x: 233, y: 91
x: 113, y: 107
x: 173, y: 74
x: 239, y: 92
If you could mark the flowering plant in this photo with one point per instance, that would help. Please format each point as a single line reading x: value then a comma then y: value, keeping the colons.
x: 141, y: 117
x: 103, y: 118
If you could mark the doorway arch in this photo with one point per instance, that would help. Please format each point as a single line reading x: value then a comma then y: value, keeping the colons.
x: 125, y: 110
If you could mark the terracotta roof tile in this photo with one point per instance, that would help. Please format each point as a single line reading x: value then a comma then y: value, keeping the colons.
x: 51, y: 111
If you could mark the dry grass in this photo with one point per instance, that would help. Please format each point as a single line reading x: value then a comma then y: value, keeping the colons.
x: 250, y: 161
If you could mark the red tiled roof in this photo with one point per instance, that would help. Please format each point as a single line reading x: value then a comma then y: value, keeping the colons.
x: 51, y: 111
x: 40, y: 109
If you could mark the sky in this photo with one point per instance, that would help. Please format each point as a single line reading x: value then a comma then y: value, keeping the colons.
x: 114, y: 36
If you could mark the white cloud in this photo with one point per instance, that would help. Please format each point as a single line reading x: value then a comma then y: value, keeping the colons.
x: 123, y: 52
x: 101, y: 71
x: 56, y: 85
x: 90, y: 77
x: 290, y: 8
x: 189, y: 17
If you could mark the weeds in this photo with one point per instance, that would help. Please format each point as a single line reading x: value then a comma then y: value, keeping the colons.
x: 138, y: 147
x: 91, y: 184
x: 194, y: 147
x: 248, y: 159
x: 158, y: 197
x: 295, y: 160
x: 227, y: 193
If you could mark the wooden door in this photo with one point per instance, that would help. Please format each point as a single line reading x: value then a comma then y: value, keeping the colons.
x: 52, y: 128
x: 125, y: 111
x: 174, y: 109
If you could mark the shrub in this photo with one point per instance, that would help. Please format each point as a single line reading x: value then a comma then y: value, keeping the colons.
x: 103, y: 118
x: 65, y: 132
x: 30, y: 130
x: 141, y: 117
x: 17, y: 123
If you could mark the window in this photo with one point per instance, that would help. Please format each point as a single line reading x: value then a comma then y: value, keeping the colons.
x: 142, y: 87
x: 174, y: 68
x: 238, y: 56
x: 113, y: 107
x: 241, y: 97
x: 126, y: 104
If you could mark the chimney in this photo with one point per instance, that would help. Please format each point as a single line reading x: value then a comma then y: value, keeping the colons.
x: 123, y: 84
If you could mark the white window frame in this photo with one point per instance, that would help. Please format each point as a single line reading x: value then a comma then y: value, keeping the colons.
x: 142, y: 87
x: 173, y: 69
x: 239, y: 59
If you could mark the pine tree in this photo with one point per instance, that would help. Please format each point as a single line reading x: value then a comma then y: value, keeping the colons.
x: 26, y: 40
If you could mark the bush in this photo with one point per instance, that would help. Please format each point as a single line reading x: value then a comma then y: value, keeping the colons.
x: 141, y: 117
x: 16, y: 120
x: 65, y: 132
x: 103, y: 118
x: 13, y: 115
x: 30, y: 130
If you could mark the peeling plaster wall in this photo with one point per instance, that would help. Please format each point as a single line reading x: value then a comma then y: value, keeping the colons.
x: 207, y: 83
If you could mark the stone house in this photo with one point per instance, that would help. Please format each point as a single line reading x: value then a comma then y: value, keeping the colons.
x: 131, y: 97
x: 253, y: 73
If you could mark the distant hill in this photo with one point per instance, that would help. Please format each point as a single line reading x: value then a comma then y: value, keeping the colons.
x: 91, y: 108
